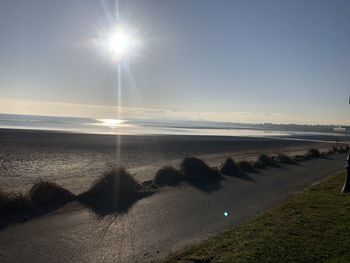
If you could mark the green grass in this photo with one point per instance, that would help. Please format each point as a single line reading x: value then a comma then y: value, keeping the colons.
x: 312, y: 227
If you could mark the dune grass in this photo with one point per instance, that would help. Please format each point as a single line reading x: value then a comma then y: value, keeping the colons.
x: 195, y: 169
x: 115, y: 191
x: 41, y: 194
x: 312, y: 227
x: 339, y: 149
x: 45, y: 193
x: 300, y: 158
x: 266, y: 160
x: 168, y: 176
x: 230, y: 167
x: 246, y: 167
x: 192, y: 170
x: 257, y: 165
x: 284, y: 159
x: 13, y: 202
x: 313, y: 153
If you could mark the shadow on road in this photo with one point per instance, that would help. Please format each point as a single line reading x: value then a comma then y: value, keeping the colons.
x: 105, y: 207
x: 244, y: 176
x: 27, y: 215
x: 206, y: 186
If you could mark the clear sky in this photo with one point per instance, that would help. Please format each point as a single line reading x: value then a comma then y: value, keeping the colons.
x: 239, y: 61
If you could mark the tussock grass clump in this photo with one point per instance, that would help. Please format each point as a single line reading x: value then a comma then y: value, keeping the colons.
x: 148, y: 183
x: 265, y: 160
x: 229, y: 167
x: 335, y: 149
x: 41, y: 194
x: 45, y: 193
x: 259, y: 165
x: 168, y: 176
x: 282, y: 158
x: 246, y: 166
x: 338, y: 149
x: 196, y: 169
x: 12, y: 203
x: 300, y: 158
x: 331, y: 151
x: 115, y: 191
x: 341, y: 149
x: 324, y: 153
x: 313, y: 153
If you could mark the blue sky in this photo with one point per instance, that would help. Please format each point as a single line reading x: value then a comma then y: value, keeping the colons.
x: 240, y: 61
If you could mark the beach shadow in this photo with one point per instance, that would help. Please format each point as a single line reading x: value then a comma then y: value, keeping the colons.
x: 267, y: 166
x: 43, y: 198
x: 243, y: 176
x: 27, y: 215
x: 240, y: 175
x: 99, y: 206
x: 206, y: 186
x: 198, y: 174
x: 209, y: 181
x: 102, y: 207
x: 277, y: 166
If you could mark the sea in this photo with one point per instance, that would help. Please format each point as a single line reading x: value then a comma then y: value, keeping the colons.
x: 143, y: 127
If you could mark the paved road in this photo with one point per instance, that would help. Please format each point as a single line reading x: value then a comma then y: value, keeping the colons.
x: 160, y: 224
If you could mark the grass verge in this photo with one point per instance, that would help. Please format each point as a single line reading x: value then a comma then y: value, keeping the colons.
x: 312, y: 227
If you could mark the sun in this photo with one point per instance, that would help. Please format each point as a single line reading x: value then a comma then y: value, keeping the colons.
x: 122, y: 42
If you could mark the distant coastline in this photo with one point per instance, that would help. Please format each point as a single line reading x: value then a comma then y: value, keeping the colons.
x: 163, y: 127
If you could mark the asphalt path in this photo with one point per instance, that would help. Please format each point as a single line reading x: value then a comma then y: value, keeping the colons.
x: 160, y: 224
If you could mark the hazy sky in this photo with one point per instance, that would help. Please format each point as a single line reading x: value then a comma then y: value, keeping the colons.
x: 247, y: 61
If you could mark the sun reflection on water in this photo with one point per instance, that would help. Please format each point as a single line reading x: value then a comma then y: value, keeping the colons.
x: 112, y: 123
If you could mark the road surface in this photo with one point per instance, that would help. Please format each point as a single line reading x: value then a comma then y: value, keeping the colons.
x: 159, y: 224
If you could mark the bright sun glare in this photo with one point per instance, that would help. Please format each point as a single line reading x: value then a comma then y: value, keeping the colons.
x: 122, y: 42
x: 111, y: 122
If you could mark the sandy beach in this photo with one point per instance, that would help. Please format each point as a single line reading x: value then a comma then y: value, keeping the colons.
x: 75, y: 160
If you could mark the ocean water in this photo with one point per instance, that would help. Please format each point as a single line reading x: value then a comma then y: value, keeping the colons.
x: 139, y: 127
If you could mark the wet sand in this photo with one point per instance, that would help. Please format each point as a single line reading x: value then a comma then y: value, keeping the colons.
x: 75, y: 160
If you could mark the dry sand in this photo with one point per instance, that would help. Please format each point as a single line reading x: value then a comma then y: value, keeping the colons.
x: 75, y: 160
